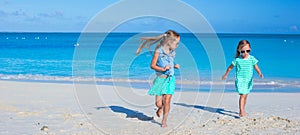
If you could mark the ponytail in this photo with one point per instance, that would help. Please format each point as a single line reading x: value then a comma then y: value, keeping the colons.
x: 148, y: 41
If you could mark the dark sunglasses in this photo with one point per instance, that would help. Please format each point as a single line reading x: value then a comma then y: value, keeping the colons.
x: 243, y: 51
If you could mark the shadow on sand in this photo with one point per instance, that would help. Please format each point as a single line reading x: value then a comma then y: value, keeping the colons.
x: 211, y: 109
x: 130, y: 113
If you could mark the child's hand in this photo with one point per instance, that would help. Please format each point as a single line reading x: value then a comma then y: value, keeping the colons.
x: 177, y: 66
x: 167, y: 67
x: 261, y: 76
x: 224, y: 77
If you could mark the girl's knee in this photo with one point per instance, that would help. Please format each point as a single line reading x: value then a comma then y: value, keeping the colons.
x: 158, y: 104
x: 167, y: 101
x: 158, y: 101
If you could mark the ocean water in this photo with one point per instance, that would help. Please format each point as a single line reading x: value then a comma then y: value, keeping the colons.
x: 110, y: 58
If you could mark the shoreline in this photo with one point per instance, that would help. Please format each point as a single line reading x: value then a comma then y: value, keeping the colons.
x: 229, y: 86
x: 53, y: 108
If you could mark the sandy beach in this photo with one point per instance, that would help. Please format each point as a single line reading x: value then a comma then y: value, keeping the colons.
x: 57, y: 108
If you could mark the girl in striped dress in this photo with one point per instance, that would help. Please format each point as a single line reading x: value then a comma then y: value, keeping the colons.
x: 244, y: 64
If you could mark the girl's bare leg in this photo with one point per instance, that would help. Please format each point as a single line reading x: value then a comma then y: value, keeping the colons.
x: 242, y: 104
x: 166, y: 109
x: 159, y: 105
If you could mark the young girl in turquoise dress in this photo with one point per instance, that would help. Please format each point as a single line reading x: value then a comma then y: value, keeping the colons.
x: 244, y: 64
x: 163, y: 64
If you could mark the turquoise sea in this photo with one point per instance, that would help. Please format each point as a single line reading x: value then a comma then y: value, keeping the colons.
x: 107, y: 58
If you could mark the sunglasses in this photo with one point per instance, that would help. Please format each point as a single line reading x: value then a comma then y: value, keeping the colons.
x: 243, y: 51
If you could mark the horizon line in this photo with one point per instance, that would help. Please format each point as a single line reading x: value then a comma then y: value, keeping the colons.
x: 233, y: 33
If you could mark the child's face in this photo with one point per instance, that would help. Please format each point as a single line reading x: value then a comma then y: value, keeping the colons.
x: 174, y: 43
x: 244, y: 51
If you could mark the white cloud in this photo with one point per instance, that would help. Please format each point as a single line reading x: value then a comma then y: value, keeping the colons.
x: 5, y: 2
x: 55, y: 14
x: 19, y: 13
x: 2, y: 13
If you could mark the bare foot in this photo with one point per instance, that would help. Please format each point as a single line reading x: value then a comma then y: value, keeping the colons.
x: 164, y: 123
x: 242, y: 114
x: 158, y: 112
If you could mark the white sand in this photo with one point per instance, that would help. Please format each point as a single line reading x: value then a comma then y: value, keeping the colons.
x: 52, y: 108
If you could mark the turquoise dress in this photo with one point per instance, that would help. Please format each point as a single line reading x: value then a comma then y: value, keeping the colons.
x: 244, y: 73
x: 165, y: 82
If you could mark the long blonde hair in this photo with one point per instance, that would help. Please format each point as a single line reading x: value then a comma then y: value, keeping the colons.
x: 160, y: 40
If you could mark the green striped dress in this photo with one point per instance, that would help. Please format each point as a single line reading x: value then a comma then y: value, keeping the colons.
x: 244, y: 74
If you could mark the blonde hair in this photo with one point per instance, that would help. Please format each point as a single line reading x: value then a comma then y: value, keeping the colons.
x: 241, y: 44
x: 160, y: 40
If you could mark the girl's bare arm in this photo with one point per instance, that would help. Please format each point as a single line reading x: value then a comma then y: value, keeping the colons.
x: 224, y: 77
x: 258, y: 71
x: 153, y: 63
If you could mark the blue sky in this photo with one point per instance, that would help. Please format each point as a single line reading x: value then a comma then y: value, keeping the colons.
x: 227, y: 16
